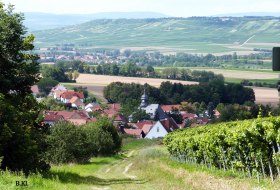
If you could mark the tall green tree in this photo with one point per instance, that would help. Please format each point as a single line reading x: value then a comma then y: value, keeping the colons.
x: 21, y: 136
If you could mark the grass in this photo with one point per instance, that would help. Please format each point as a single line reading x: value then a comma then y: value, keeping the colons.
x: 237, y: 75
x: 235, y: 80
x: 143, y: 164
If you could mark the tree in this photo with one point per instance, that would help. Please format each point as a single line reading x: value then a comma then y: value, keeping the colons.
x: 46, y: 84
x: 75, y: 74
x: 54, y: 72
x: 21, y: 135
x: 188, y: 107
x: 99, y: 69
x: 176, y: 115
x: 81, y: 89
x: 114, y: 70
x: 140, y: 115
x: 202, y: 107
x: 210, y: 110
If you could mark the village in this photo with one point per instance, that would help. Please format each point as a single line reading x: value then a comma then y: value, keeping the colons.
x: 159, y: 124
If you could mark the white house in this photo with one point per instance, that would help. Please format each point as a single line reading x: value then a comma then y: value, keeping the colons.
x: 162, y: 128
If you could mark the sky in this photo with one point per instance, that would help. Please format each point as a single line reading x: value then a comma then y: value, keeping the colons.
x: 178, y: 8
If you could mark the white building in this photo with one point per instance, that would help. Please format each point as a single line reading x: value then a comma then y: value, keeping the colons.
x: 162, y: 128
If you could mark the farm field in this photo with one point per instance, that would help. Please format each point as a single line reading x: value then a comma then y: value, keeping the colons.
x: 104, y: 80
x: 266, y: 96
x: 96, y: 84
x: 235, y: 73
x: 143, y: 164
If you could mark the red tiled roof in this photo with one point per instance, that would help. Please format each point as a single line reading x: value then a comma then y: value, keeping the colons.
x: 204, y: 120
x: 35, y: 89
x: 65, y: 114
x: 168, y: 108
x: 146, y: 128
x: 121, y: 118
x: 75, y: 100
x: 70, y: 94
x: 141, y: 124
x: 188, y: 115
x: 134, y: 132
x: 69, y: 115
x: 53, y: 118
x: 169, y: 124
x: 91, y: 120
x: 97, y: 108
x: 83, y: 114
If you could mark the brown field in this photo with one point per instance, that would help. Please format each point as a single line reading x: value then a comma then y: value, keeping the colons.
x: 102, y: 80
x: 96, y: 84
x: 266, y: 96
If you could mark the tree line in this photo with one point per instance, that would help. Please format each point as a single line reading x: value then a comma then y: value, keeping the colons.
x: 215, y: 91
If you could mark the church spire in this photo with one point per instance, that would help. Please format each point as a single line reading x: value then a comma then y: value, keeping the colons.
x: 144, y: 99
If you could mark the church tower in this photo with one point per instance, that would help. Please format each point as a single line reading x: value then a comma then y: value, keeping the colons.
x: 144, y: 99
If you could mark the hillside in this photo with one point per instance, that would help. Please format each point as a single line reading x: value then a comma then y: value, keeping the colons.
x: 43, y: 21
x: 194, y: 35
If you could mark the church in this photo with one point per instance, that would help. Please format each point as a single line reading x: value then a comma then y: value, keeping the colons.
x: 154, y: 110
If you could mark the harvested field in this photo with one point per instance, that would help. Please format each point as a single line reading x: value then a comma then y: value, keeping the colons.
x: 102, y: 80
x: 266, y: 96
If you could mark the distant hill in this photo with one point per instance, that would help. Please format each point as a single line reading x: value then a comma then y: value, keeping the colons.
x: 195, y: 35
x: 261, y: 14
x: 43, y: 21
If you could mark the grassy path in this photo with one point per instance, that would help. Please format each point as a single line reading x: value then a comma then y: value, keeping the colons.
x: 144, y: 165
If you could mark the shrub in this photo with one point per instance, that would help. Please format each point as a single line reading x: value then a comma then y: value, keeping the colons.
x: 103, y: 134
x: 67, y: 143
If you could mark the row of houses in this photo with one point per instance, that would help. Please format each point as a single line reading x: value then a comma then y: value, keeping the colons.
x: 76, y: 117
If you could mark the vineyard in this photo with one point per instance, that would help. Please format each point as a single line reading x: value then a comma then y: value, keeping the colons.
x: 250, y: 148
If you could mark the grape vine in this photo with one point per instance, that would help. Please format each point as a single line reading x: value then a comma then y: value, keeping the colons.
x: 249, y: 146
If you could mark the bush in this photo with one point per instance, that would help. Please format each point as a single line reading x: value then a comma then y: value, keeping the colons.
x: 103, y: 135
x: 67, y: 143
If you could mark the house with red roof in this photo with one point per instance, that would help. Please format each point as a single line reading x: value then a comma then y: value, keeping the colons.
x: 189, y: 116
x: 137, y: 133
x: 162, y: 128
x: 76, y: 103
x: 76, y: 117
x: 68, y: 95
x: 170, y: 108
x: 112, y: 111
x: 119, y: 120
x: 93, y: 107
x: 51, y: 119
